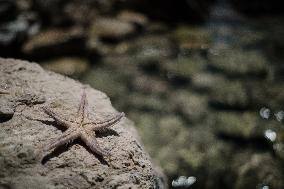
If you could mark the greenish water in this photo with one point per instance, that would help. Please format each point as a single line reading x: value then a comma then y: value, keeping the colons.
x: 195, y: 92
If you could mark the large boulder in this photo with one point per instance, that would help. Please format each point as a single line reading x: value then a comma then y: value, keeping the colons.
x: 25, y: 130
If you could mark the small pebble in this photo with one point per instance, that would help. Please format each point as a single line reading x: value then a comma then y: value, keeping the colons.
x: 279, y: 115
x: 264, y: 113
x: 270, y: 135
x: 182, y: 181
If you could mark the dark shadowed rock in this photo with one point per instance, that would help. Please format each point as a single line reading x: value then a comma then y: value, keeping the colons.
x: 25, y: 129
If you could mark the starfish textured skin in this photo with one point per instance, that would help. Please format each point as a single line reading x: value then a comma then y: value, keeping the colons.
x: 81, y: 127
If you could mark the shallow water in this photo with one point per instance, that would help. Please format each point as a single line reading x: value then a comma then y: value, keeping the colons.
x: 195, y: 92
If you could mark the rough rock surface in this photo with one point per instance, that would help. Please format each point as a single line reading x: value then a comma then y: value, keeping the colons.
x: 25, y: 129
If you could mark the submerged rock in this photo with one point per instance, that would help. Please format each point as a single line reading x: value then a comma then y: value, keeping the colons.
x: 260, y: 169
x: 240, y: 125
x: 204, y: 81
x: 153, y: 47
x: 191, y: 106
x: 111, y: 29
x: 185, y: 67
x: 237, y: 63
x: 229, y: 95
x: 133, y: 17
x: 28, y: 129
x: 192, y: 38
x: 55, y: 42
x: 70, y: 66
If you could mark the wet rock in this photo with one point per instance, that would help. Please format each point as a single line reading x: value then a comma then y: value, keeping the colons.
x: 81, y: 12
x: 149, y: 85
x: 133, y: 17
x: 229, y: 95
x: 153, y: 47
x: 111, y: 29
x: 157, y: 28
x: 279, y: 150
x: 105, y: 50
x: 184, y: 67
x: 266, y: 93
x: 147, y: 102
x: 238, y: 63
x: 260, y: 169
x: 192, y: 107
x: 238, y: 125
x: 55, y: 42
x: 205, y: 81
x: 248, y: 38
x: 119, y: 63
x: 26, y: 133
x: 70, y: 66
x: 192, y: 39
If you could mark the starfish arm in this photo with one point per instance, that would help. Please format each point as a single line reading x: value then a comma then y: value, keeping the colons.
x: 90, y: 140
x: 65, y: 138
x: 58, y: 119
x: 100, y: 125
x: 81, y: 113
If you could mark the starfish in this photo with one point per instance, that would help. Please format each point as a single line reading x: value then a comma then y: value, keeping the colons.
x: 81, y: 127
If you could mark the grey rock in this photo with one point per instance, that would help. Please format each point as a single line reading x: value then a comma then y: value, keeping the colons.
x: 27, y: 131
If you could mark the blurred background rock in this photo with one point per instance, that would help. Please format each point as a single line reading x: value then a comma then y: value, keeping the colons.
x: 191, y: 74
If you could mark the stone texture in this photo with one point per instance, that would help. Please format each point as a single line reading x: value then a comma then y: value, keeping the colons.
x: 243, y: 125
x: 55, y: 42
x: 237, y: 62
x: 185, y: 67
x: 229, y: 94
x: 111, y: 28
x: 262, y: 167
x: 192, y: 38
x: 192, y: 106
x: 133, y: 17
x: 70, y: 66
x: 26, y: 129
